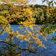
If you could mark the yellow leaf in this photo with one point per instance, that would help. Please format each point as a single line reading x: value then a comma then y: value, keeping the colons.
x: 14, y: 34
x: 6, y: 29
x: 45, y: 38
x: 31, y: 27
x: 29, y: 32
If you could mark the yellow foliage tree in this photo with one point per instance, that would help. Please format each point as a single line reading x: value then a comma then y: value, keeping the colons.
x: 29, y: 22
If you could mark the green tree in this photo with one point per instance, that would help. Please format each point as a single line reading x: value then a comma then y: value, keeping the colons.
x: 50, y: 3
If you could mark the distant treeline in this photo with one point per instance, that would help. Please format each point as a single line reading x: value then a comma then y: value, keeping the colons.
x: 42, y: 13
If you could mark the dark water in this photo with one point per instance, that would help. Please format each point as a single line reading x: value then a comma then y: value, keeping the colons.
x: 50, y: 46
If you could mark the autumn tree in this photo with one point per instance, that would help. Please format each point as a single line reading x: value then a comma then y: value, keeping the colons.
x: 10, y: 15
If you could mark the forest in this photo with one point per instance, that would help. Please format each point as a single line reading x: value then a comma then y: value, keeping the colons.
x: 44, y: 15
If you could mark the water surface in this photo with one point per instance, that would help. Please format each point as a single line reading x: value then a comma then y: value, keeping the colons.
x: 50, y: 46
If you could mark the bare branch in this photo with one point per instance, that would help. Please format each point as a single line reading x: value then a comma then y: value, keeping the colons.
x: 8, y: 43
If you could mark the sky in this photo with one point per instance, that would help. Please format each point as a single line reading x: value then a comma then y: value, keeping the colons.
x: 39, y: 2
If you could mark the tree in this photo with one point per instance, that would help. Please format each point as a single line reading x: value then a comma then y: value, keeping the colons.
x: 50, y: 3
x: 10, y: 15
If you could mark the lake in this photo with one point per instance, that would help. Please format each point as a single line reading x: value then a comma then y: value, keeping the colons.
x: 50, y: 46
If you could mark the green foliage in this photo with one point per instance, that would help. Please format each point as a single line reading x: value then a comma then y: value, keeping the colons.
x: 50, y: 3
x: 48, y: 30
x: 53, y: 39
